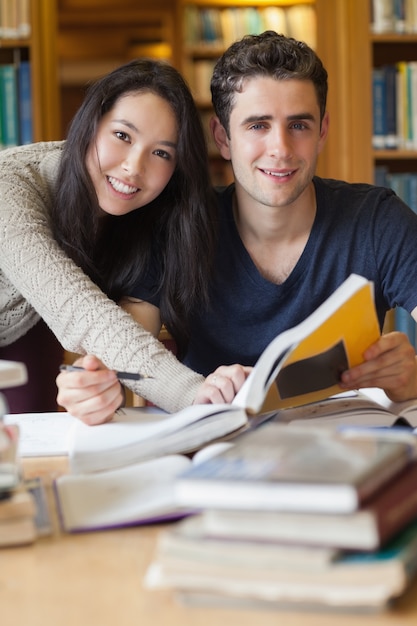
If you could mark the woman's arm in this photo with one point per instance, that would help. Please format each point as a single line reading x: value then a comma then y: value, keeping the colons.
x: 146, y: 314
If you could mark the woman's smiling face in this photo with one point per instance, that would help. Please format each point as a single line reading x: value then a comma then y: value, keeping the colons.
x: 134, y: 153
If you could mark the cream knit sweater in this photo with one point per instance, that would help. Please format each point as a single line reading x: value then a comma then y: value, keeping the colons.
x: 38, y: 280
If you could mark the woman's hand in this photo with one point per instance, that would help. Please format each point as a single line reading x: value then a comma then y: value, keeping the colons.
x: 93, y: 395
x: 222, y: 385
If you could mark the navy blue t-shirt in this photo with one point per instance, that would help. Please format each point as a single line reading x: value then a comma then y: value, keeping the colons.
x: 358, y: 228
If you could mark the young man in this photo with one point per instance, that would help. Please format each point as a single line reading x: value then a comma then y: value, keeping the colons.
x: 287, y: 239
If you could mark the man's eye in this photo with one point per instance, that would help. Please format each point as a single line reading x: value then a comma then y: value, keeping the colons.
x: 299, y: 126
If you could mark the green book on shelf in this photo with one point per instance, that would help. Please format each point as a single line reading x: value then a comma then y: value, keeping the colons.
x: 9, y: 108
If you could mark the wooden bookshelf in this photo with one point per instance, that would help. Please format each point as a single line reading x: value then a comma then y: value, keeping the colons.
x: 32, y: 38
x: 95, y: 36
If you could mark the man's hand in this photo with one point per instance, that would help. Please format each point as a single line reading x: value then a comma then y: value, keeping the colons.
x: 222, y: 385
x: 390, y: 364
x: 93, y: 395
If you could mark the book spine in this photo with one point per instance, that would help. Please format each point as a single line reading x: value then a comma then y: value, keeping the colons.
x: 399, y: 11
x: 10, y: 121
x: 409, y: 99
x: 401, y: 104
x: 25, y: 103
x: 379, y: 108
x: 1, y: 109
x: 382, y: 16
x: 405, y: 323
x: 390, y: 96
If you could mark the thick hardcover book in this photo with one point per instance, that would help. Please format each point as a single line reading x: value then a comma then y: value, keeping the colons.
x: 284, y: 467
x: 353, y: 581
x: 369, y: 528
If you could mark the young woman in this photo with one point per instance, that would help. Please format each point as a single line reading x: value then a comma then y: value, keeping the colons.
x: 79, y: 220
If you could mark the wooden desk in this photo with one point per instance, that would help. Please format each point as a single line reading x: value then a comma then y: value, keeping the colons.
x: 95, y: 579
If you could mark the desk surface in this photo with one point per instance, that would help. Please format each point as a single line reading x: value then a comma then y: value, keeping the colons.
x: 95, y: 579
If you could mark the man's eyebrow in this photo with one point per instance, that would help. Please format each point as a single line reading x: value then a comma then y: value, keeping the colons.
x: 302, y: 116
x: 251, y: 119
x: 256, y: 118
x: 169, y: 144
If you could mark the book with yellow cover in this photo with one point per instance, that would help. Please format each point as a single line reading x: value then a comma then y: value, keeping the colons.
x: 304, y: 363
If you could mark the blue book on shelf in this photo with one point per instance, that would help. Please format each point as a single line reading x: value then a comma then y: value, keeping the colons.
x: 411, y: 199
x: 25, y: 103
x: 390, y: 86
x: 9, y: 113
x: 381, y: 176
x: 405, y: 323
x: 379, y: 108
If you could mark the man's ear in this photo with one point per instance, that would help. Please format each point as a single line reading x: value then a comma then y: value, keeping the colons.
x: 220, y: 137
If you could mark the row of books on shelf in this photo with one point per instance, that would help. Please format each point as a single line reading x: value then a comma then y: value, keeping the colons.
x: 405, y: 186
x: 15, y: 104
x: 222, y: 26
x: 15, y: 19
x: 394, y: 16
x: 394, y: 92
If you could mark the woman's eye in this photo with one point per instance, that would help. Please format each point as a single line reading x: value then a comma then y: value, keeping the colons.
x: 122, y: 135
x: 163, y: 154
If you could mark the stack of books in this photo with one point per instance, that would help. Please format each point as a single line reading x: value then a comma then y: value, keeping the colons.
x: 297, y: 516
x: 23, y: 509
x: 17, y: 505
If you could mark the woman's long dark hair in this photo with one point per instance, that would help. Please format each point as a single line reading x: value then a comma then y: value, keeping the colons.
x: 179, y: 225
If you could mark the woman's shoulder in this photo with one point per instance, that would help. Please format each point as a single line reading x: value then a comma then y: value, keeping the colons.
x: 32, y: 151
x: 31, y: 159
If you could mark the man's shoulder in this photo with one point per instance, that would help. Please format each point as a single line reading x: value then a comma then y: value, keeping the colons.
x: 332, y: 185
x: 343, y: 195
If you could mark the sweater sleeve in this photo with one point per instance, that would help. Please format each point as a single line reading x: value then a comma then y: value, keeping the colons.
x: 81, y: 316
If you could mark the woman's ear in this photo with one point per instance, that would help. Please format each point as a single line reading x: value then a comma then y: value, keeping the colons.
x: 220, y: 137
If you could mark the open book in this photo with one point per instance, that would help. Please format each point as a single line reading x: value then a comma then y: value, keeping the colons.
x: 304, y: 363
x: 140, y: 434
x: 367, y: 408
